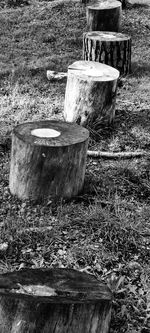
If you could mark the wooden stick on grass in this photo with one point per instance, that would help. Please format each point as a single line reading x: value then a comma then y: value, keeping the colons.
x: 125, y: 154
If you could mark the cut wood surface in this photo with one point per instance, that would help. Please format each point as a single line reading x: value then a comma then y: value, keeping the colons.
x: 90, y: 93
x: 111, y: 48
x: 48, y: 160
x: 53, y: 301
x: 104, y: 16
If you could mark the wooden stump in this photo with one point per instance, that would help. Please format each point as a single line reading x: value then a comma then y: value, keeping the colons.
x: 104, y: 16
x: 48, y: 159
x: 111, y: 48
x: 123, y: 2
x: 90, y: 93
x: 53, y: 301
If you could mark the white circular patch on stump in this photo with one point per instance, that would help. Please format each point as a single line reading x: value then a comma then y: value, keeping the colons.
x: 45, y: 133
x: 108, y: 36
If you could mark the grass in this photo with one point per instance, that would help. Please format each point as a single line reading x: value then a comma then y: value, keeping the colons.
x: 105, y: 231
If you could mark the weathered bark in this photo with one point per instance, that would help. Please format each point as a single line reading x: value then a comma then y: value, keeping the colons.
x: 53, y: 301
x: 111, y: 48
x: 104, y: 16
x: 45, y: 166
x: 90, y: 93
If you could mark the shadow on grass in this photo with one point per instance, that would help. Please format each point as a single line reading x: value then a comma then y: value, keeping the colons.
x: 131, y: 129
x: 130, y: 119
x: 140, y: 5
x: 140, y: 69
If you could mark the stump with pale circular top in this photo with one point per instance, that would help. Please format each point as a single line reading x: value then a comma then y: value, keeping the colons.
x: 53, y: 301
x: 104, y: 16
x: 90, y: 93
x: 111, y: 48
x: 48, y: 160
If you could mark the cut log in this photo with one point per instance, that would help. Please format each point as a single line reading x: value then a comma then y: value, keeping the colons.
x: 48, y: 160
x: 53, y: 301
x: 111, y: 48
x: 122, y: 2
x: 104, y: 16
x: 90, y: 93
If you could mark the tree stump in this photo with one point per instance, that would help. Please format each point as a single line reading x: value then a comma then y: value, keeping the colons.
x: 90, y: 93
x: 48, y: 159
x: 104, y: 16
x: 123, y: 2
x: 111, y: 48
x: 53, y: 301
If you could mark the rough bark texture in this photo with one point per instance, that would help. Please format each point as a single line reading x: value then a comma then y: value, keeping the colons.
x: 104, y: 16
x: 90, y: 93
x: 53, y: 301
x: 111, y: 48
x: 48, y: 167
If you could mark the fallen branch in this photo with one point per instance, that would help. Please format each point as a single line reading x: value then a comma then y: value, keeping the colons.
x: 52, y: 75
x: 34, y: 229
x: 112, y: 155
